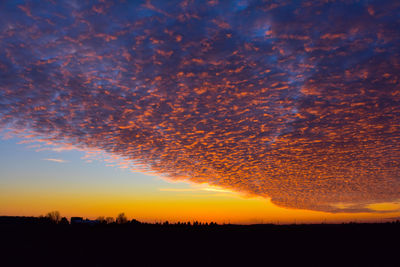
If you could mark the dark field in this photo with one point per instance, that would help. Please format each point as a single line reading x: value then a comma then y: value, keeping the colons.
x: 34, y: 243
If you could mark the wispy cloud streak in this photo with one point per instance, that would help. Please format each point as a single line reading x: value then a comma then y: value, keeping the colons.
x: 56, y: 160
x: 298, y: 101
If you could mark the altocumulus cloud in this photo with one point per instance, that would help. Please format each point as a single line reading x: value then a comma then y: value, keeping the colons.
x: 297, y: 101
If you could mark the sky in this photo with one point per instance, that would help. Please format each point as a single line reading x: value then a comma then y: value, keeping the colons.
x: 231, y: 111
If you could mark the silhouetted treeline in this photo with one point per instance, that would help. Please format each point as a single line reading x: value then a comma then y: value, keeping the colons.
x: 121, y: 219
x: 30, y: 241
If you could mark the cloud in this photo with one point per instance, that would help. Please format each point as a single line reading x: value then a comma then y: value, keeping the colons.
x: 294, y: 101
x: 56, y: 160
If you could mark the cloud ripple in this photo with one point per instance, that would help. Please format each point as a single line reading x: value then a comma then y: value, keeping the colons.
x: 298, y: 101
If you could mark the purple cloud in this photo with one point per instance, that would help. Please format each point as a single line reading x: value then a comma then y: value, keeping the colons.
x: 296, y: 101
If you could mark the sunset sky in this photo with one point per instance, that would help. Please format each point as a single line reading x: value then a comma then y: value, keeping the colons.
x: 228, y: 111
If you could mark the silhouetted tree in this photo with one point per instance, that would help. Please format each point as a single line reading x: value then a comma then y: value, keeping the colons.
x: 54, y: 216
x: 134, y: 221
x: 64, y: 221
x: 121, y: 218
x: 109, y: 220
x: 101, y: 219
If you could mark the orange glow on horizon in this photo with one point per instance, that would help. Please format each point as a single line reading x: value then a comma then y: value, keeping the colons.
x: 189, y: 204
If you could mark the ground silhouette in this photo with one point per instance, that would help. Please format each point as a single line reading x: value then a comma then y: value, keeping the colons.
x: 33, y: 241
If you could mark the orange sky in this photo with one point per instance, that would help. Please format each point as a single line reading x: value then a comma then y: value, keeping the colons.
x: 173, y: 202
x: 34, y: 182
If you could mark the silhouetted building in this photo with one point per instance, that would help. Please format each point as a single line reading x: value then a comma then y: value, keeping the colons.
x: 91, y: 222
x: 76, y: 220
x: 80, y: 220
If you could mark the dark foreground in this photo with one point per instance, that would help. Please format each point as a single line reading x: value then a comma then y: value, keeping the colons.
x: 33, y: 244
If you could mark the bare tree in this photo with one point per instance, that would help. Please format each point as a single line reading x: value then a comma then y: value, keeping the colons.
x: 109, y: 220
x: 54, y: 216
x: 121, y: 218
x: 101, y: 219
